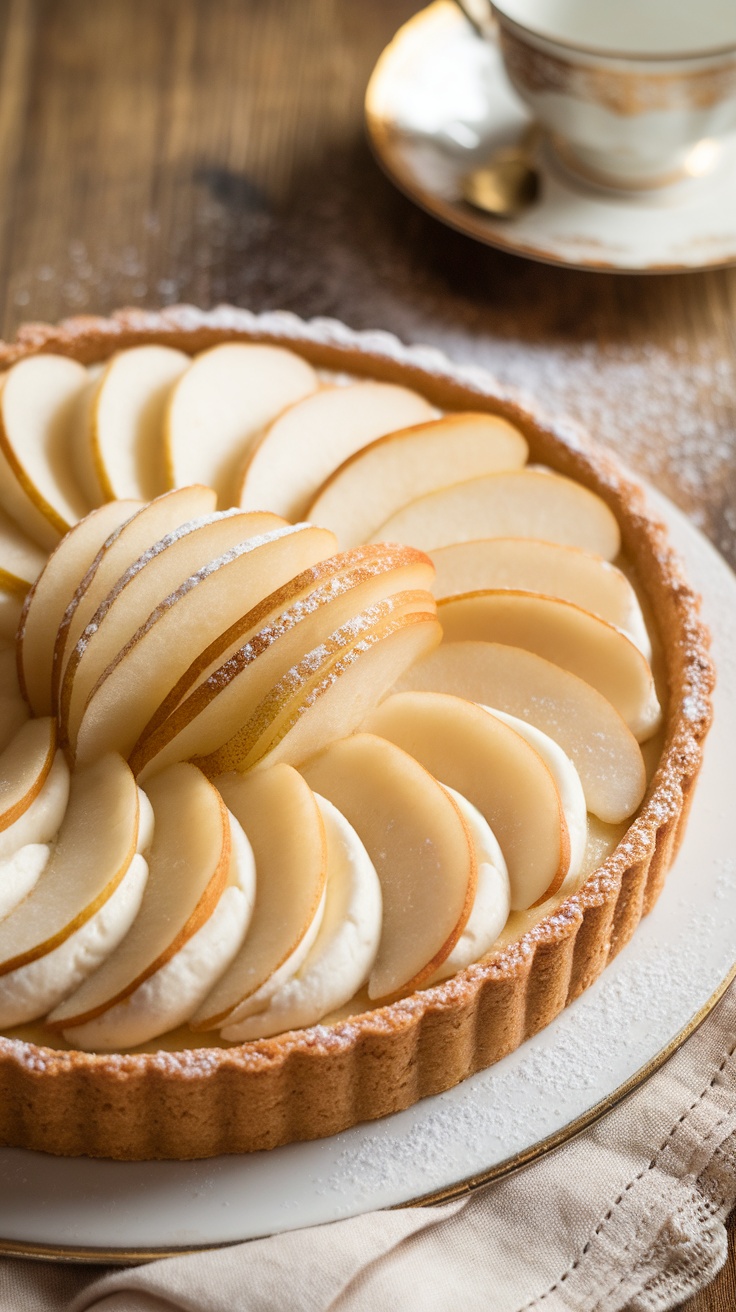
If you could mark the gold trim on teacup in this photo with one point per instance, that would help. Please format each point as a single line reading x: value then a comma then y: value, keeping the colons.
x: 600, y: 52
x: 620, y: 90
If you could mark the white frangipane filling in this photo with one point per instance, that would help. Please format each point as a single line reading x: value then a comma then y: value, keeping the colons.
x: 492, y: 901
x: 20, y: 873
x: 259, y: 1001
x: 145, y: 822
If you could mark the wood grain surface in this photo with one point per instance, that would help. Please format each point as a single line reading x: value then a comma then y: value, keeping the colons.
x: 157, y: 151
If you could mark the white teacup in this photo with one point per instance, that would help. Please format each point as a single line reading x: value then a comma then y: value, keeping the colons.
x: 632, y: 93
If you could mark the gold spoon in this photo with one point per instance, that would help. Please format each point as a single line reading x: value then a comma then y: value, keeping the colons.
x: 508, y: 183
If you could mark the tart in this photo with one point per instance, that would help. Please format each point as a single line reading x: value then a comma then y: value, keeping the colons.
x: 342, y: 755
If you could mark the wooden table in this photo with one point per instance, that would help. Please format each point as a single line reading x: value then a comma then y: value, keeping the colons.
x: 154, y: 151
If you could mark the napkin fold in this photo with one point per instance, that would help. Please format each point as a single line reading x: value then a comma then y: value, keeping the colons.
x: 627, y: 1216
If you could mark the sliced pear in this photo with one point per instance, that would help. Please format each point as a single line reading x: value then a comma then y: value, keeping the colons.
x: 50, y: 595
x: 122, y: 549
x: 344, y: 948
x: 13, y: 708
x: 530, y: 565
x: 269, y: 655
x: 218, y: 407
x: 11, y: 607
x: 95, y: 846
x: 567, y: 635
x: 21, y: 559
x: 312, y: 439
x: 419, y: 845
x: 121, y: 445
x: 526, y: 503
x: 327, y: 697
x: 584, y: 723
x: 37, y: 484
x: 288, y: 605
x: 280, y: 815
x: 188, y: 867
x: 24, y: 768
x: 150, y: 582
x: 497, y: 771
x: 15, y: 590
x: 378, y: 480
x: 141, y: 671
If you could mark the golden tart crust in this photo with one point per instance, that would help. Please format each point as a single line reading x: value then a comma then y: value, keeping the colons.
x: 311, y: 1083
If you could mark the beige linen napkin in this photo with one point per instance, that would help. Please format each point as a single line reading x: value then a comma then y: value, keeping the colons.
x: 627, y: 1216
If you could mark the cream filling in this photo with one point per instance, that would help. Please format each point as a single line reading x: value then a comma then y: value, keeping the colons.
x: 345, y: 948
x: 33, y: 990
x: 173, y: 993
x: 260, y: 1000
x: 634, y: 627
x: 41, y: 821
x: 569, y: 787
x: 146, y: 822
x: 492, y: 902
x: 19, y: 873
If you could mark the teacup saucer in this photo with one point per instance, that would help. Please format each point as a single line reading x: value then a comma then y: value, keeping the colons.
x: 439, y: 104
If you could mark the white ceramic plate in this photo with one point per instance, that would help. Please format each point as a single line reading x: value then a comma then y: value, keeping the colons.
x: 439, y: 104
x: 609, y: 1039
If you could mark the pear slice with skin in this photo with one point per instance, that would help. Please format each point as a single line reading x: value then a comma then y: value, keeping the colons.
x: 220, y: 404
x: 37, y: 485
x: 379, y: 479
x: 271, y: 642
x: 13, y: 707
x: 497, y: 771
x: 420, y: 847
x: 276, y: 613
x: 344, y: 943
x: 568, y: 636
x: 120, y: 439
x: 314, y: 437
x: 50, y: 595
x: 580, y: 719
x: 140, y: 672
x: 21, y: 559
x: 188, y: 870
x: 24, y: 768
x: 280, y: 815
x: 526, y: 503
x: 148, y: 583
x: 95, y: 846
x: 332, y: 688
x: 120, y: 550
x: 530, y: 565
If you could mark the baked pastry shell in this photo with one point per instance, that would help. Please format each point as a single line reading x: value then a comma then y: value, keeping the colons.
x: 311, y: 1083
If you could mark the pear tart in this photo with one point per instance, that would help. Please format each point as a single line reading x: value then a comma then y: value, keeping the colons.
x: 350, y: 720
